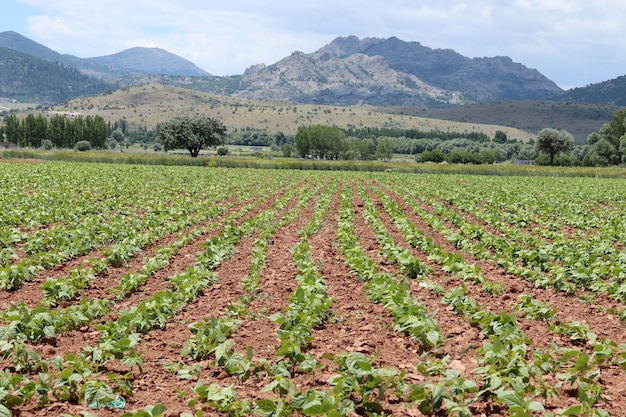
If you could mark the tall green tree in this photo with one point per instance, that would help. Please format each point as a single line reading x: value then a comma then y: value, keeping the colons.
x: 192, y: 133
x: 554, y: 142
x: 366, y: 148
x: 384, y: 148
x: 12, y: 129
x: 322, y: 141
x: 608, y: 146
x: 500, y: 136
x: 56, y: 131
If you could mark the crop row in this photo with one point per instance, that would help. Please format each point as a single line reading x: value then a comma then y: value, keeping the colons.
x: 415, y: 244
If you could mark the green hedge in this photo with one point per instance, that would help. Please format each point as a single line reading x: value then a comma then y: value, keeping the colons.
x: 288, y: 163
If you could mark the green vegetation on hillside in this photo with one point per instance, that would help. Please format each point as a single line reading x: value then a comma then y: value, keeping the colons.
x: 149, y: 105
x: 531, y: 116
x: 26, y: 78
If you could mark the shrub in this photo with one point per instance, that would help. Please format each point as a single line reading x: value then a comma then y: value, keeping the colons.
x: 157, y: 147
x: 47, y: 144
x: 110, y: 143
x: 543, y: 160
x: 222, y: 151
x: 433, y: 156
x: 82, y: 146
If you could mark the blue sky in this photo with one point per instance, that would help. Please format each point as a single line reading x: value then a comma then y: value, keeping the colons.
x: 572, y: 42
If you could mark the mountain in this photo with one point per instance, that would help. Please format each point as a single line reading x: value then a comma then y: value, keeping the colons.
x: 24, y: 77
x: 150, y: 61
x: 131, y: 62
x: 390, y: 71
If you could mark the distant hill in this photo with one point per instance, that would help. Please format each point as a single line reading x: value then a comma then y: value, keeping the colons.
x: 24, y: 77
x: 149, y: 105
x: 607, y: 92
x: 150, y: 61
x: 17, y: 42
x: 531, y: 116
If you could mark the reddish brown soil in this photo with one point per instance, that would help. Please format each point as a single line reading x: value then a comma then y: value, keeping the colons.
x: 356, y: 325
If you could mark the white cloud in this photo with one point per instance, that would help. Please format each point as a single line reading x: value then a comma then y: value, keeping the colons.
x: 574, y: 42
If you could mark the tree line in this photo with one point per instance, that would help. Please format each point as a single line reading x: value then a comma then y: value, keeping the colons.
x: 552, y: 147
x: 60, y: 131
x: 376, y: 132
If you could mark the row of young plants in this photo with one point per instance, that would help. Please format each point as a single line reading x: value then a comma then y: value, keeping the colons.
x: 588, y: 257
x: 357, y: 386
x: 450, y: 261
x: 40, y: 194
x: 590, y: 251
x: 120, y: 338
x: 451, y: 393
x: 483, y: 244
x: 505, y: 374
x: 50, y: 246
x: 562, y: 263
x: 211, y: 337
x: 75, y: 375
x: 582, y: 204
x: 66, y: 288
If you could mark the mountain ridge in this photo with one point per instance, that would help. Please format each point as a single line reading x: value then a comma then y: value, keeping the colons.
x: 132, y: 61
x: 347, y: 71
x: 410, y: 74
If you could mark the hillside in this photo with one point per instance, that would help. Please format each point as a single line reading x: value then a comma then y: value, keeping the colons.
x: 151, y: 104
x: 607, y: 92
x: 26, y: 78
x: 530, y: 116
x: 19, y: 43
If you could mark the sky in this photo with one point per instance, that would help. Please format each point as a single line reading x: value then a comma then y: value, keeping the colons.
x: 572, y: 42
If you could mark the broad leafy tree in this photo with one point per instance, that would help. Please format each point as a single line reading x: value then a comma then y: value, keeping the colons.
x: 325, y: 142
x: 366, y: 149
x: 192, y: 133
x: 608, y: 146
x: 554, y: 142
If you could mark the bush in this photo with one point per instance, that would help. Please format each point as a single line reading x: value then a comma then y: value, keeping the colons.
x: 47, y: 144
x: 82, y: 146
x: 430, y: 156
x: 222, y: 151
x: 543, y: 160
x: 477, y: 158
x: 157, y: 147
x: 110, y: 143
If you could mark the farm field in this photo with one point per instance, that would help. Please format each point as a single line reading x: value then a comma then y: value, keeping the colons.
x: 216, y: 291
